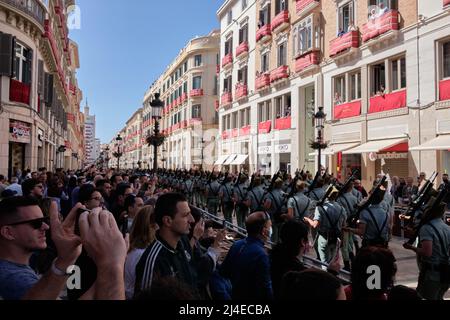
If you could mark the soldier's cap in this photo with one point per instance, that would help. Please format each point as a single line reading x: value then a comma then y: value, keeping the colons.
x: 334, y: 190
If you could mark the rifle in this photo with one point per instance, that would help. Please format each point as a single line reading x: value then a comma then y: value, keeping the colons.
x: 421, y: 197
x: 314, y: 183
x: 427, y: 218
x: 347, y: 183
x: 353, y: 219
x: 326, y: 195
x: 294, y: 185
x: 303, y: 171
x: 325, y: 174
x: 272, y: 182
x: 252, y: 182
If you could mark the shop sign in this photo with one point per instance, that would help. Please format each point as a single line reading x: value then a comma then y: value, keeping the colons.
x: 393, y: 155
x: 19, y: 131
x: 390, y: 155
x: 265, y: 150
x: 283, y: 148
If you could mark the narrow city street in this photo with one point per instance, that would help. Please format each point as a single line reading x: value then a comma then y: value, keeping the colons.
x: 128, y: 127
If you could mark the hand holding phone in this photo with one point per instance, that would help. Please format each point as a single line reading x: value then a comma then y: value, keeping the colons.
x: 77, y: 225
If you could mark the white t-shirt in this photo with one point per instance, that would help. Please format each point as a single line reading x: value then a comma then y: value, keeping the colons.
x: 130, y: 271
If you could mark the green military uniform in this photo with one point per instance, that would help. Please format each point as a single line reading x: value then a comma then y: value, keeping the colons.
x: 256, y: 196
x: 301, y: 206
x: 377, y: 223
x: 349, y: 202
x: 276, y: 198
x: 212, y: 200
x: 240, y: 196
x: 331, y: 217
x: 433, y: 282
x: 226, y: 192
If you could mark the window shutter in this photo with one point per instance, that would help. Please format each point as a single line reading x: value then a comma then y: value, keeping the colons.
x: 7, y: 44
x: 41, y: 77
x: 29, y: 67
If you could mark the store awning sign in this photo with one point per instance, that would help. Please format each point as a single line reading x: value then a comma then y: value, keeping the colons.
x: 19, y: 131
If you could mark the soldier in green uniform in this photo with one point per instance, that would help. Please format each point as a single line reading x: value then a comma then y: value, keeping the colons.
x: 349, y: 202
x: 434, y: 253
x: 212, y: 195
x: 256, y: 196
x: 275, y: 204
x: 299, y: 206
x: 240, y: 198
x: 328, y: 220
x: 226, y: 197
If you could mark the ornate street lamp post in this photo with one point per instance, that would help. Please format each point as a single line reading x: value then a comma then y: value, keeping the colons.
x: 157, y: 139
x: 319, y: 144
x: 118, y: 154
x: 107, y: 157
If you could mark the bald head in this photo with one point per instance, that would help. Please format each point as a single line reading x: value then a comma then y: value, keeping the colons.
x: 256, y: 223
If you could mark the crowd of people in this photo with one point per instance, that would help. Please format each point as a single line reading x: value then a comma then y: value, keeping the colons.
x: 144, y: 235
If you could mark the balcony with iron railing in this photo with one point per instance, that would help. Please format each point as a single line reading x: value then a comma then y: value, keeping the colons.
x: 227, y: 61
x: 19, y: 92
x: 303, y: 7
x: 226, y: 98
x: 245, y: 131
x: 242, y: 50
x: 196, y: 93
x: 279, y: 73
x: 281, y: 21
x: 241, y: 91
x: 307, y: 61
x: 344, y: 43
x: 388, y: 101
x: 34, y: 9
x: 262, y: 81
x: 264, y: 33
x: 385, y: 24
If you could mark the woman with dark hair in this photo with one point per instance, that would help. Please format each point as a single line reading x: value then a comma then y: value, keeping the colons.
x: 284, y: 257
x: 368, y: 262
x: 90, y: 197
x: 143, y: 232
x: 56, y: 192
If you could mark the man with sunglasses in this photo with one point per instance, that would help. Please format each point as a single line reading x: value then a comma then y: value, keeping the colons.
x: 23, y: 231
x: 33, y: 188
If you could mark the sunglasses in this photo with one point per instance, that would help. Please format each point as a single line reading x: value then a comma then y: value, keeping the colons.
x: 35, y: 224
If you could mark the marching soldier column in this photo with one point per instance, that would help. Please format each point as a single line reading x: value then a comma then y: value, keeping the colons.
x: 336, y: 213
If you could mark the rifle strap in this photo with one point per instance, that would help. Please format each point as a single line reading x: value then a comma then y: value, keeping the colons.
x: 304, y: 210
x: 277, y: 205
x: 259, y: 202
x: 379, y: 230
x: 325, y: 213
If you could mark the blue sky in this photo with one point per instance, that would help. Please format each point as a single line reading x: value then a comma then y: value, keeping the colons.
x: 125, y: 45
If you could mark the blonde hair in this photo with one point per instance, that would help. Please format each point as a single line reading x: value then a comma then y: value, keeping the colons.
x: 143, y: 230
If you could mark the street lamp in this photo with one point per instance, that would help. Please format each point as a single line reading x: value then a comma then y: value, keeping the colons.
x: 118, y: 154
x: 107, y: 157
x: 157, y: 139
x: 319, y: 144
